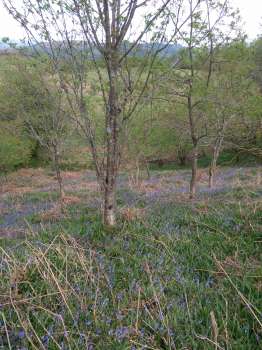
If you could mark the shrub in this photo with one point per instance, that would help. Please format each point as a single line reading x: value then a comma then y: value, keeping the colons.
x: 14, y: 152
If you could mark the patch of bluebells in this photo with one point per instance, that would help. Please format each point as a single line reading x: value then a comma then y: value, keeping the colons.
x: 108, y: 321
x: 119, y: 316
x: 126, y: 244
x: 134, y: 286
x: 228, y: 222
x: 154, y: 196
x: 76, y: 319
x: 120, y: 296
x: 210, y: 282
x: 179, y: 274
x: 21, y: 334
x: 111, y: 275
x: 170, y: 228
x: 88, y: 322
x: 196, y: 279
x: 98, y: 331
x: 158, y: 284
x: 121, y: 333
x: 182, y: 303
x: 45, y: 340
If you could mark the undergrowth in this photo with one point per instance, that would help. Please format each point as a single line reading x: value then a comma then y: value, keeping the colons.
x: 182, y: 276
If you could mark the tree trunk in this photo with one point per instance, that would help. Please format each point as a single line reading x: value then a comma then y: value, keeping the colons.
x: 193, y: 181
x: 213, y: 165
x: 112, y: 147
x: 110, y: 206
x: 111, y: 177
x: 147, y: 170
x: 212, y: 168
x: 182, y: 160
x: 211, y: 174
x: 181, y: 155
x: 137, y: 172
x: 59, y: 178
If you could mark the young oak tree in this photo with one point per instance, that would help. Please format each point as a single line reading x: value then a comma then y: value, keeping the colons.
x: 94, y: 41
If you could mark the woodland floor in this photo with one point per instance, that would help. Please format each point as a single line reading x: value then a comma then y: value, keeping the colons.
x: 175, y: 273
x: 28, y: 196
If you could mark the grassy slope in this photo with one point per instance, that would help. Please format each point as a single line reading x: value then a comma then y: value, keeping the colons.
x: 175, y: 274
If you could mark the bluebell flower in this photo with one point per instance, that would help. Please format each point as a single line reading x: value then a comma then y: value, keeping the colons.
x: 119, y: 296
x: 108, y: 321
x: 119, y: 316
x: 98, y: 331
x: 121, y: 333
x: 45, y: 339
x: 21, y: 334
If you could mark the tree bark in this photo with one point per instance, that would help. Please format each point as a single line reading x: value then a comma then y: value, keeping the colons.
x: 59, y: 178
x: 192, y: 123
x: 211, y: 175
x: 137, y: 172
x: 111, y: 174
x: 110, y: 205
x: 147, y: 170
x: 193, y: 181
x: 112, y: 132
x: 182, y: 160
x: 213, y: 165
x: 212, y: 168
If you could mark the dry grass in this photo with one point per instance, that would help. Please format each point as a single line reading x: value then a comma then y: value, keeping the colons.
x: 10, y: 233
x: 132, y: 213
x: 72, y: 175
x: 70, y: 200
x: 25, y: 181
x: 51, y: 215
x: 45, y: 301
x: 83, y: 185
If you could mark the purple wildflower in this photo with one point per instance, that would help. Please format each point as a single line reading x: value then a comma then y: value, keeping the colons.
x: 121, y: 333
x: 45, y: 339
x: 21, y: 334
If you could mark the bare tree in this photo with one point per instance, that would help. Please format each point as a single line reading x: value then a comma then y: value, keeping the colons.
x: 216, y: 149
x: 227, y: 98
x: 98, y: 38
x: 203, y: 37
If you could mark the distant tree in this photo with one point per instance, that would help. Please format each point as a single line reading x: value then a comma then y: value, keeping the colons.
x: 226, y: 97
x: 238, y: 70
x: 207, y: 31
x: 31, y: 94
x: 257, y: 60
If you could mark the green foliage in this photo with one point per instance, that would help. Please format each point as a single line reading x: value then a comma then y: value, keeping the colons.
x: 159, y: 126
x: 30, y: 95
x: 257, y: 57
x: 15, y: 151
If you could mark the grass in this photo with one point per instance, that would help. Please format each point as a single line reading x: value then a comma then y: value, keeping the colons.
x: 32, y: 198
x: 185, y: 275
x: 226, y: 158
